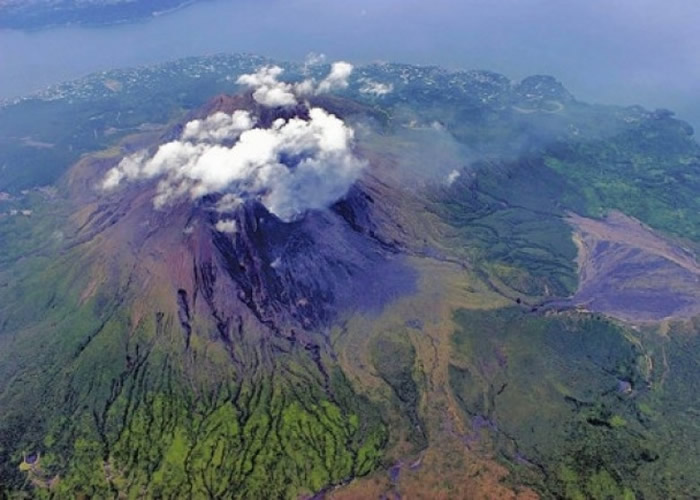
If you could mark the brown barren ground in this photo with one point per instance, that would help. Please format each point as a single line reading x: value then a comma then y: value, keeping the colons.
x: 450, y: 466
x: 630, y: 272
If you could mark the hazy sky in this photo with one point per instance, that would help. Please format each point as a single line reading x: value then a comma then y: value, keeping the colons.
x: 622, y: 51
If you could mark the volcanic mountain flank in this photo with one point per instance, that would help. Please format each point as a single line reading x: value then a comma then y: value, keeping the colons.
x: 289, y: 280
x: 422, y: 286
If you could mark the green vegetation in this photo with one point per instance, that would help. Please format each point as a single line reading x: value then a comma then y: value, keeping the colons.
x: 36, y: 229
x: 508, y: 218
x: 115, y: 407
x: 553, y: 393
x: 98, y: 381
x: 650, y: 171
x: 508, y: 215
x: 394, y: 358
x: 40, y: 140
x: 254, y: 442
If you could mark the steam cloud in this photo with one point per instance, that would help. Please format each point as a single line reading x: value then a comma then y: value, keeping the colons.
x: 295, y: 165
x: 453, y: 176
x: 375, y: 88
x: 226, y: 226
x: 313, y: 59
x: 336, y: 79
x: 218, y: 127
x: 271, y: 92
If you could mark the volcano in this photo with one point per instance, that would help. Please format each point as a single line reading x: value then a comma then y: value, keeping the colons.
x: 283, y: 279
x: 389, y: 281
x: 225, y: 319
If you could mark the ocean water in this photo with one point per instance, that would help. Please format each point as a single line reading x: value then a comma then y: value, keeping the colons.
x: 611, y: 51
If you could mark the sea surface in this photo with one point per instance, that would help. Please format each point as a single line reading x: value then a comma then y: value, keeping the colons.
x: 611, y: 51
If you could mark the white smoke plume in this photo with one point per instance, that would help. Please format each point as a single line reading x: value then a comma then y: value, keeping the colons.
x: 226, y: 226
x: 218, y: 127
x: 375, y: 88
x: 337, y: 79
x: 453, y: 176
x: 313, y: 59
x: 295, y: 165
x: 271, y: 92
